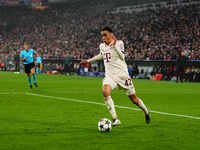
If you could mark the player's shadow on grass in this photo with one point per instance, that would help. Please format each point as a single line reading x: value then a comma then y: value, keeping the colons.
x: 50, y: 131
x: 47, y: 128
x: 71, y: 131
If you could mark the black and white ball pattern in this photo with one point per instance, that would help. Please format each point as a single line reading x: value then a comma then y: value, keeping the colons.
x: 105, y: 125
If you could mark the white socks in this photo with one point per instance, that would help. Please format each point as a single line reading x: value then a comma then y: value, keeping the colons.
x: 111, y: 107
x: 142, y: 106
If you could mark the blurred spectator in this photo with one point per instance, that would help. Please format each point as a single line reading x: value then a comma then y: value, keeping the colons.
x: 68, y: 64
x: 180, y: 67
x: 67, y: 30
x: 148, y: 35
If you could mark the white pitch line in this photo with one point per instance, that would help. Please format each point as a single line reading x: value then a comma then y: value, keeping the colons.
x: 8, y: 93
x: 122, y: 107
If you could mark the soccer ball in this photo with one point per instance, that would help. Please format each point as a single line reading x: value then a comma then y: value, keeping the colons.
x: 104, y: 125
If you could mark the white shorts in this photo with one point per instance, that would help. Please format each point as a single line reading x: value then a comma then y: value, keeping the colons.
x: 124, y: 82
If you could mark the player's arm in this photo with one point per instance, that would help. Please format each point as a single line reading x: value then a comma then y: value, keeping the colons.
x: 35, y: 53
x: 35, y: 56
x: 22, y: 57
x: 93, y: 59
x: 119, y: 48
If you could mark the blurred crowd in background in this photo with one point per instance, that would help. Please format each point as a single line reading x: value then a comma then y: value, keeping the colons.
x: 64, y: 31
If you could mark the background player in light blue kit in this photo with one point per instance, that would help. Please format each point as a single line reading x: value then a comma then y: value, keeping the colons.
x: 27, y: 55
x: 38, y: 64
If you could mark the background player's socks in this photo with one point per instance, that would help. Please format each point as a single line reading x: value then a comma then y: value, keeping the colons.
x: 29, y: 81
x: 142, y: 106
x: 110, y: 105
x: 34, y: 78
x: 36, y: 85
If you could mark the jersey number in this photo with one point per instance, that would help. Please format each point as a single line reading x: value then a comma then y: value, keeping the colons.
x: 107, y: 57
x: 128, y: 82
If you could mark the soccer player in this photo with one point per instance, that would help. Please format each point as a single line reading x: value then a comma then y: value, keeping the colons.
x: 38, y: 64
x: 27, y: 56
x: 116, y: 73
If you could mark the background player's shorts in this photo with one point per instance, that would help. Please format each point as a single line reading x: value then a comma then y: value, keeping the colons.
x: 123, y: 82
x: 28, y: 67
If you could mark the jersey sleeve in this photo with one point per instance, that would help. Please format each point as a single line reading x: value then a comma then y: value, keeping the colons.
x: 119, y: 48
x: 21, y: 55
x: 33, y: 51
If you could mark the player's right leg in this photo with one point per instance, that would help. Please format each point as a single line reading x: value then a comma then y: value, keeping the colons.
x: 29, y: 80
x: 108, y: 86
x: 128, y: 86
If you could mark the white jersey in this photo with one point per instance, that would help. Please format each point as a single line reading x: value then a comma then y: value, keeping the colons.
x: 114, y: 59
x: 116, y: 70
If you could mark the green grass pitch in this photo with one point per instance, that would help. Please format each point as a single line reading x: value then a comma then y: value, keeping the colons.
x: 59, y: 122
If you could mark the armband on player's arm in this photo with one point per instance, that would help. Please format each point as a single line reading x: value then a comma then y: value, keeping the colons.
x: 119, y: 48
x: 95, y: 58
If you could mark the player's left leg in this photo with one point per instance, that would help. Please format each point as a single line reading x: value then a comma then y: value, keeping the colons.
x: 28, y: 74
x: 136, y: 100
x: 130, y: 91
x: 34, y: 76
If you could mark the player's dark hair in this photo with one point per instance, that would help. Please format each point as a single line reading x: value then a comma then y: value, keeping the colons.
x: 107, y: 29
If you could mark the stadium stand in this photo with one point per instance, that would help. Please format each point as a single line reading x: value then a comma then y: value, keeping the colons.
x: 60, y: 30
